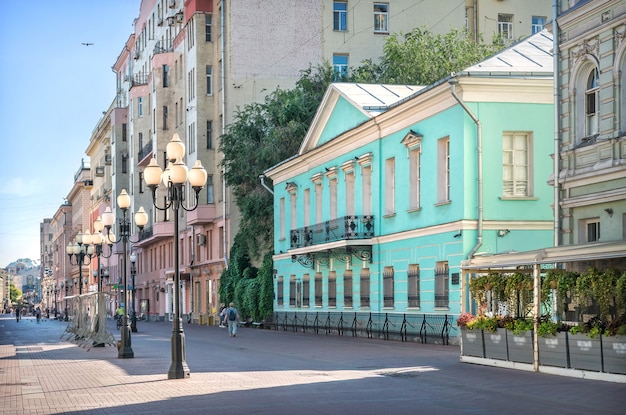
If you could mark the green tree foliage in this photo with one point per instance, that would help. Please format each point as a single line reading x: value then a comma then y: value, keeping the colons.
x: 14, y: 293
x: 421, y: 57
x: 261, y: 136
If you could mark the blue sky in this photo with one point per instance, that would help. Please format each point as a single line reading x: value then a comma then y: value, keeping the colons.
x: 53, y: 91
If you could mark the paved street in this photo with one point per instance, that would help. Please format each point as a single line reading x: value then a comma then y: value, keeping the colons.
x: 272, y: 372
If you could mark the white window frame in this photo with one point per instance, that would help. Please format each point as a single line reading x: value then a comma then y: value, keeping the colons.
x: 340, y: 17
x: 443, y: 170
x: 592, y: 102
x: 517, y: 164
x: 538, y: 23
x: 584, y: 227
x: 381, y: 17
x: 505, y: 26
x: 390, y: 186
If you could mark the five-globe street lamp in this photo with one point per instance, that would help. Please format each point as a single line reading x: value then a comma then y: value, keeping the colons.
x: 108, y: 219
x: 81, y: 250
x: 174, y: 178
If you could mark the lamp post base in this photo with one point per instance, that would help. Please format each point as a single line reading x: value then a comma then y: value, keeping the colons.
x: 178, y: 368
x: 124, y: 350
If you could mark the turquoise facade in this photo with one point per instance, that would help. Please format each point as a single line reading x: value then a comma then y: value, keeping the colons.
x: 415, y: 249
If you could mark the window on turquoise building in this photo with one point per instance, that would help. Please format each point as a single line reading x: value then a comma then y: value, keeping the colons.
x: 443, y: 170
x: 305, y: 290
x: 390, y: 165
x: 365, y: 287
x: 414, y: 171
x: 516, y: 163
x: 388, y: 292
x: 281, y: 221
x: 366, y: 177
x: 279, y: 291
x: 318, y: 289
x: 292, y: 291
x: 350, y: 193
x: 307, y: 207
x: 332, y: 184
x: 414, y: 285
x: 332, y: 289
x: 318, y: 202
x: 592, y: 102
x: 441, y: 284
x: 292, y: 214
x: 347, y: 288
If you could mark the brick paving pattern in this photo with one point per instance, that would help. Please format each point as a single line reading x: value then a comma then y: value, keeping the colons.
x: 271, y: 372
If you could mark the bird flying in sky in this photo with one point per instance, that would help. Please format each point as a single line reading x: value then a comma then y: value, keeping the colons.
x: 86, y: 44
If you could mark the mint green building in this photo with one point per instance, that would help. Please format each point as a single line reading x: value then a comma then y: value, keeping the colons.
x: 394, y: 186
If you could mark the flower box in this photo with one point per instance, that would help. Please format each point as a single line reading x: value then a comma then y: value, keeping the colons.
x: 520, y: 346
x: 614, y: 354
x: 495, y: 344
x: 472, y: 343
x: 553, y: 350
x: 585, y: 353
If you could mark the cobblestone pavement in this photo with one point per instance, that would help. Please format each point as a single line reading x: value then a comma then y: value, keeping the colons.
x: 271, y: 372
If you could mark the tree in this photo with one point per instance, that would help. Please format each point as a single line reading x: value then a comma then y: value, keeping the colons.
x: 14, y: 293
x: 421, y: 57
x: 262, y: 135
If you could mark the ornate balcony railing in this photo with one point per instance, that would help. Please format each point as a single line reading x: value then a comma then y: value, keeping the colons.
x: 147, y: 149
x: 346, y: 228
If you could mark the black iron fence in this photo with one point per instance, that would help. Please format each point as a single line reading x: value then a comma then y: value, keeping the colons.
x: 425, y: 328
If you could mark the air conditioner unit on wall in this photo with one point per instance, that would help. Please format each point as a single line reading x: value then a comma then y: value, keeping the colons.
x: 201, y: 240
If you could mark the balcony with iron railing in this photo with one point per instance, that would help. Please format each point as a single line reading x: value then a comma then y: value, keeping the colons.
x: 140, y: 79
x: 353, y: 227
x: 145, y: 151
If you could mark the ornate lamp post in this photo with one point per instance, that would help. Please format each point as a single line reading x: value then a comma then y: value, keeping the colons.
x: 174, y: 178
x: 67, y: 288
x: 81, y: 250
x: 108, y: 218
x: 133, y: 272
x: 56, y: 304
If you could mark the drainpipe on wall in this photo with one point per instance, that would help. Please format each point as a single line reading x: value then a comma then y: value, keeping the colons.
x: 479, y: 134
x: 557, y: 141
x: 262, y: 178
x: 223, y: 81
x: 476, y: 21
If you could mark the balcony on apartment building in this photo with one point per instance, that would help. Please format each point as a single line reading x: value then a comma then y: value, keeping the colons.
x: 156, y: 232
x: 342, y: 237
x: 163, y: 46
x: 144, y: 154
x: 140, y: 79
x: 203, y: 214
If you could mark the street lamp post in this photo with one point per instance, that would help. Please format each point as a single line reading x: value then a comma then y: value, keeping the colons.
x: 174, y: 178
x: 56, y: 303
x: 81, y: 251
x: 108, y: 218
x: 133, y: 272
x: 67, y: 288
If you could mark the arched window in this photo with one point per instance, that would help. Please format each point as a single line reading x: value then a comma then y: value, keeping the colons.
x: 592, y: 104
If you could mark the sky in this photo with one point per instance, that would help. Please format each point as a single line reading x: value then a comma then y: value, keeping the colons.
x: 53, y: 91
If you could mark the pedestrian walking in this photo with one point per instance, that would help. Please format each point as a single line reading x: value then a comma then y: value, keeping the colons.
x: 232, y: 319
x: 222, y: 314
